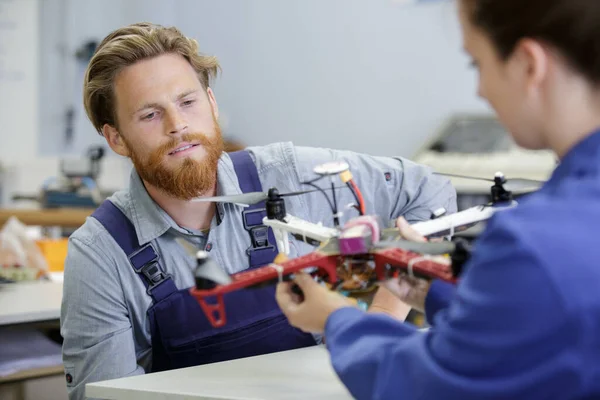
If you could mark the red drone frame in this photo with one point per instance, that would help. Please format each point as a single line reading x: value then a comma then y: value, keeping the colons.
x: 354, y: 257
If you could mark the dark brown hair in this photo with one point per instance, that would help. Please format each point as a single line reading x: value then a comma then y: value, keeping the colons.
x: 572, y: 27
x: 125, y: 47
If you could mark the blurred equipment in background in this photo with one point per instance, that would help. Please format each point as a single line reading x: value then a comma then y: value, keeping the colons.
x: 21, y: 258
x: 76, y: 187
x: 479, y: 146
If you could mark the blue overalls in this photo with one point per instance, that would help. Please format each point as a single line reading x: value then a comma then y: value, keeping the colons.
x: 181, y: 334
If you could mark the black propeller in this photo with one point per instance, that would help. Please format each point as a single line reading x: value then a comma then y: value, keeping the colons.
x: 255, y: 197
x: 512, y: 185
x: 430, y: 248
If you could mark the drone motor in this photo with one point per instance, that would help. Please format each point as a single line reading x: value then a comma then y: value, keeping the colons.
x: 499, y: 193
x: 275, y: 205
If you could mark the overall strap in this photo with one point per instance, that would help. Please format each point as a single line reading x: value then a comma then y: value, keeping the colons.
x: 263, y: 249
x: 143, y: 258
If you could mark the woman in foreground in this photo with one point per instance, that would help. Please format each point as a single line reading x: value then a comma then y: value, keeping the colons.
x: 525, y: 320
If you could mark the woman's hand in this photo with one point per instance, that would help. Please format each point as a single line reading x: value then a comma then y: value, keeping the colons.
x: 410, y: 290
x: 309, y: 312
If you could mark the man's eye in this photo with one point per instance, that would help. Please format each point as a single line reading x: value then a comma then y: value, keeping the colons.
x: 188, y: 102
x: 149, y: 116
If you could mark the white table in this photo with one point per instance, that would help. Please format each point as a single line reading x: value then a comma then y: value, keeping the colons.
x: 26, y: 302
x: 295, y: 374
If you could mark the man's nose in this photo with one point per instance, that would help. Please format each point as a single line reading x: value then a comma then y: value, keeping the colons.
x: 177, y: 124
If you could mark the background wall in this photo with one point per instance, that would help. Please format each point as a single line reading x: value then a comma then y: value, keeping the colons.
x: 376, y: 76
x: 19, y: 81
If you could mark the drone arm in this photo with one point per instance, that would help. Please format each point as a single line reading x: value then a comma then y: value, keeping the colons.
x: 454, y: 222
x: 414, y: 263
x: 302, y: 228
x: 283, y: 242
x: 270, y: 272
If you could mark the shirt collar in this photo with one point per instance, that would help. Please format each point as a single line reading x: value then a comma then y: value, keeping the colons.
x: 151, y: 221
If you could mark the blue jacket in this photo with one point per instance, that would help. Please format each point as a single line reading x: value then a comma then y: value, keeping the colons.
x: 524, y: 322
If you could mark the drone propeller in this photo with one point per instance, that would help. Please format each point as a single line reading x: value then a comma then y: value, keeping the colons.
x: 254, y: 197
x: 207, y: 268
x: 513, y: 185
x: 430, y: 248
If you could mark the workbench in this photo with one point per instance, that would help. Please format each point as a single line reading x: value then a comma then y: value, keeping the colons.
x: 296, y: 374
x: 34, y: 305
x: 27, y: 302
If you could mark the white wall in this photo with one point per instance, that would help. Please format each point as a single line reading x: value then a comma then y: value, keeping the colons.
x: 375, y: 76
x: 19, y: 84
x: 372, y: 76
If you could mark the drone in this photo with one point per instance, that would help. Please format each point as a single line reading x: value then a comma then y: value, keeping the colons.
x: 354, y: 257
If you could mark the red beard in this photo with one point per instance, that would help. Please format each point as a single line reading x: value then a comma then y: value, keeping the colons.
x: 190, y: 179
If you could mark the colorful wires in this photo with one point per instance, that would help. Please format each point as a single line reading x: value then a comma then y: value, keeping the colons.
x: 347, y: 178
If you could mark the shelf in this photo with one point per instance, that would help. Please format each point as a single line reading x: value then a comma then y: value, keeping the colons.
x: 65, y: 217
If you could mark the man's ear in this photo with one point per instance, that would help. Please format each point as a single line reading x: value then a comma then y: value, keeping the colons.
x: 213, y: 102
x: 114, y: 140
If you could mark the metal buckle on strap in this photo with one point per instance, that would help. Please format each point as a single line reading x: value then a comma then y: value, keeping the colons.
x: 253, y: 217
x: 260, y: 249
x: 260, y: 236
x: 142, y: 257
x: 154, y: 275
x: 150, y: 269
x: 259, y: 233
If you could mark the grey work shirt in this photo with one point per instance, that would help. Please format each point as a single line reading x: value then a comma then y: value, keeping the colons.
x: 103, y: 319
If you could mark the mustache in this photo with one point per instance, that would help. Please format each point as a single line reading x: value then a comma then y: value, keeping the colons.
x: 173, y: 143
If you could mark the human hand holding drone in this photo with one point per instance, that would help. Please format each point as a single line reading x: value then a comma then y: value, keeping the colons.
x: 354, y: 258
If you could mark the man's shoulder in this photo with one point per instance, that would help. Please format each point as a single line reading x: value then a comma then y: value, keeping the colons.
x: 293, y: 160
x: 92, y: 232
x: 272, y: 155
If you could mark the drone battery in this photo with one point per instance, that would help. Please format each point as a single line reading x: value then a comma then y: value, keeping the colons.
x: 356, y: 240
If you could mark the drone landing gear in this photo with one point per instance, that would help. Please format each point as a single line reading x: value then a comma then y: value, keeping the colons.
x: 214, y: 312
x: 415, y: 264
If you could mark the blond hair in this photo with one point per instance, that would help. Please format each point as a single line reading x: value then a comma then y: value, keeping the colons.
x: 126, y: 46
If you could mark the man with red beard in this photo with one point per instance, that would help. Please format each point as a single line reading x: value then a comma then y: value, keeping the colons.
x: 127, y: 308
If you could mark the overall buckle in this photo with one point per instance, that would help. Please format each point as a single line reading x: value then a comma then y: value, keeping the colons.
x: 145, y: 262
x: 261, y: 252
